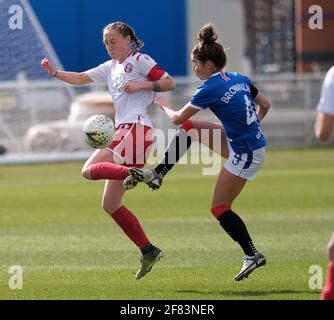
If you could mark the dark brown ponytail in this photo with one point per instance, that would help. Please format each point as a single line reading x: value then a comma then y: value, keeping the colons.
x: 208, y: 48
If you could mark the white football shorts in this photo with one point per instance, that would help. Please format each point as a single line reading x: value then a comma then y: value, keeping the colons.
x: 245, y: 165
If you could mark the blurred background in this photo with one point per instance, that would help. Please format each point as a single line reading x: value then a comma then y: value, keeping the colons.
x: 285, y: 46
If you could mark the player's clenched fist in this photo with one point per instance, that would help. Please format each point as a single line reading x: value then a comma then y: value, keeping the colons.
x: 48, y: 66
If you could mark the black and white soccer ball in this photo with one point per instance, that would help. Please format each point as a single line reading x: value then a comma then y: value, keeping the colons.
x: 99, y: 131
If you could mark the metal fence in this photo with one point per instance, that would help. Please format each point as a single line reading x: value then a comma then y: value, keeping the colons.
x: 24, y: 105
x: 293, y: 98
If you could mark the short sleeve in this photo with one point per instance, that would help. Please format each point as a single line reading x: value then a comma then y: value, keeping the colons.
x: 203, y: 98
x: 246, y: 80
x: 326, y: 103
x: 99, y: 74
x: 254, y: 91
x: 149, y: 68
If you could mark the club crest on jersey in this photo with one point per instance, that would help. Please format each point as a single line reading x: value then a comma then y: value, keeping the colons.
x: 128, y: 68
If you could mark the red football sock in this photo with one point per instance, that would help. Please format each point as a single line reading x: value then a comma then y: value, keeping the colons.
x: 108, y: 171
x: 131, y: 226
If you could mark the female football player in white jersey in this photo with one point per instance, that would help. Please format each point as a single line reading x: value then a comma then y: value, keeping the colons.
x: 132, y: 78
x: 232, y: 98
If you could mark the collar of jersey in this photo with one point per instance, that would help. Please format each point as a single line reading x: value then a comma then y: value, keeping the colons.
x: 219, y: 72
x: 126, y: 56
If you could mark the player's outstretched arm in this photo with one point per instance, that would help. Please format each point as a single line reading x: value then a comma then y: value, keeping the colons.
x: 177, y: 117
x: 70, y: 77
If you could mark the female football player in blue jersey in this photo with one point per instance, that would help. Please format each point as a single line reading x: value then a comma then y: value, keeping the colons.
x: 232, y: 98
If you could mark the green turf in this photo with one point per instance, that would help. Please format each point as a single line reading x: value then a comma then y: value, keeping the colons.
x: 52, y: 225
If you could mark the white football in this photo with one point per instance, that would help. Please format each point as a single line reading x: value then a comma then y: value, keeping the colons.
x: 99, y: 131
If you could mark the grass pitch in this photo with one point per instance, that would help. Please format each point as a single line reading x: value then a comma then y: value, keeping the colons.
x: 52, y: 225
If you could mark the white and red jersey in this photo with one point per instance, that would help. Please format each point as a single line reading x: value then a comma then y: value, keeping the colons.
x: 129, y: 107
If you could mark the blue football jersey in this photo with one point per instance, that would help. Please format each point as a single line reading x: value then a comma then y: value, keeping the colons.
x: 228, y: 96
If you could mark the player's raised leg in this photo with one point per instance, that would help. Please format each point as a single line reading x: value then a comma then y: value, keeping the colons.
x: 209, y: 133
x: 101, y: 166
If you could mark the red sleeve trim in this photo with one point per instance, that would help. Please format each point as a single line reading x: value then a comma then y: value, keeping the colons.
x: 156, y: 73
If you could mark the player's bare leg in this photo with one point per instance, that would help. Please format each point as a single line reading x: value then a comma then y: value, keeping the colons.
x: 212, y: 135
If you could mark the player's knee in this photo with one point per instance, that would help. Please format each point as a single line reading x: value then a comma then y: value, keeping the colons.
x: 106, y: 207
x: 218, y: 210
x: 193, y: 133
x: 187, y: 125
x: 109, y: 207
x: 86, y: 172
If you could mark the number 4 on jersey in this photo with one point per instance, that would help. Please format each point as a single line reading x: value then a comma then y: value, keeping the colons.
x: 250, y: 109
